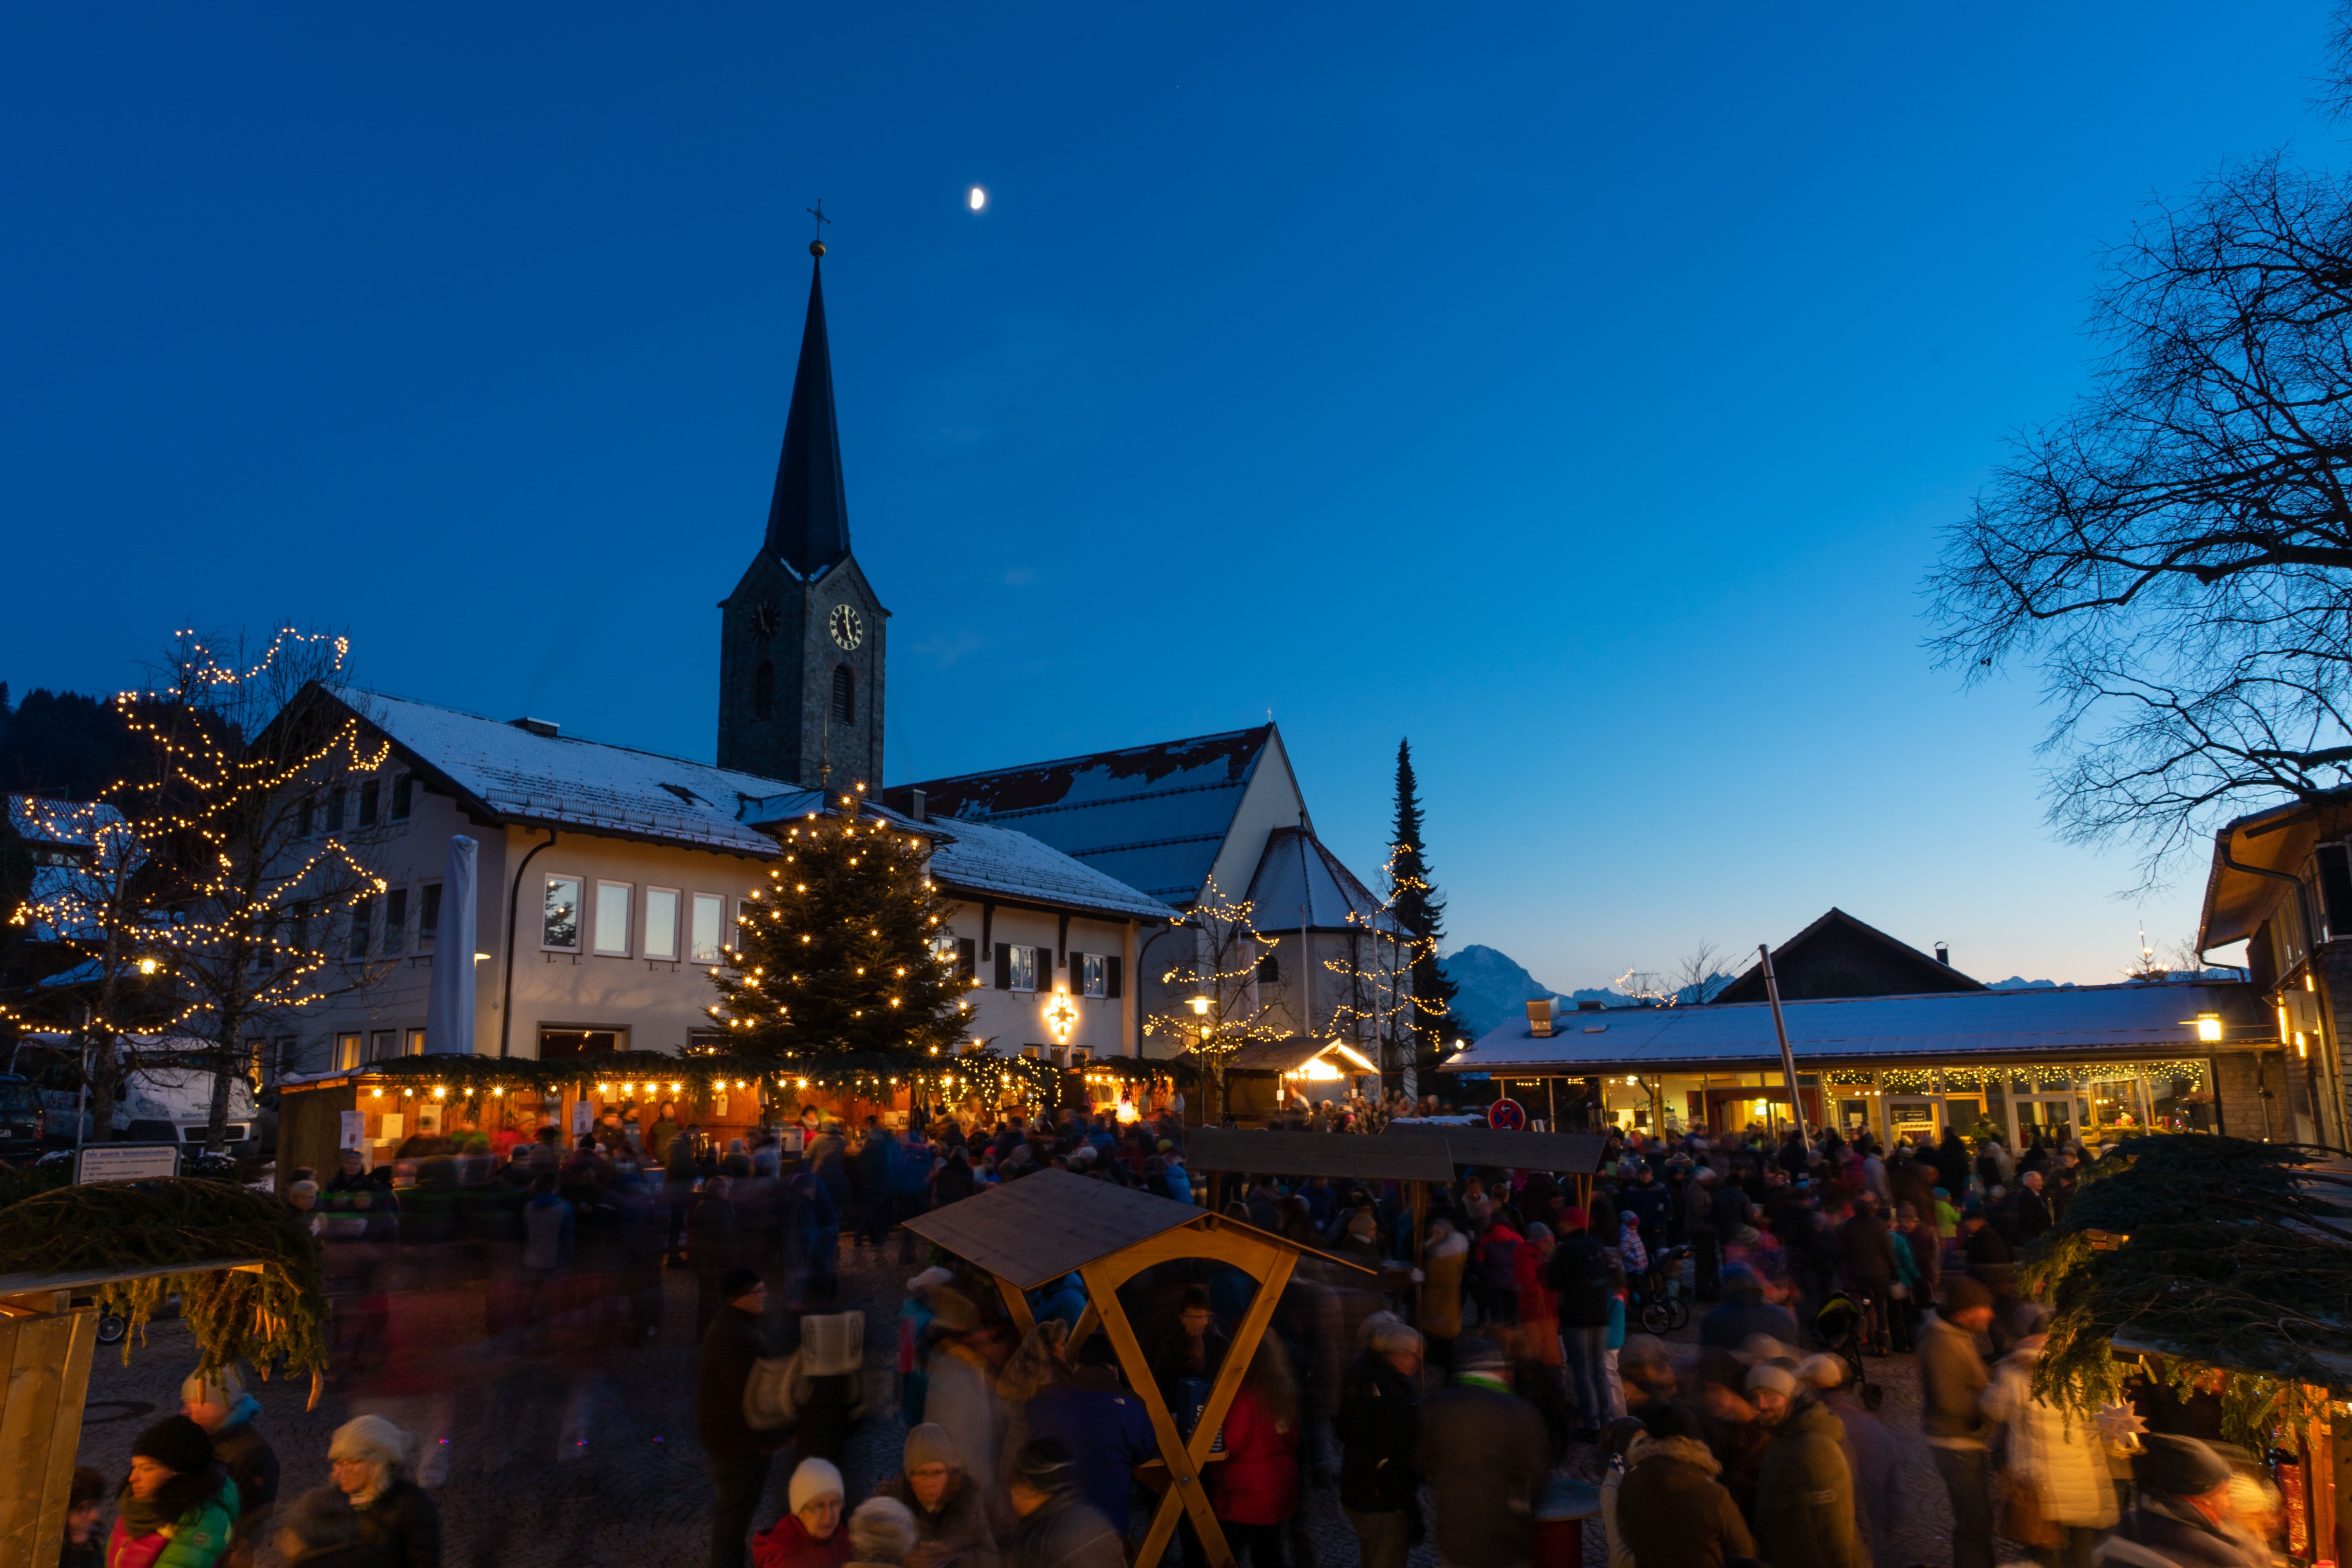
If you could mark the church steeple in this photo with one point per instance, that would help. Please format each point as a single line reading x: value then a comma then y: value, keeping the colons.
x: 808, y: 520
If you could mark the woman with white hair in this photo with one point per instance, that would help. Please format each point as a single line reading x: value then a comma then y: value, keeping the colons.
x: 369, y: 1459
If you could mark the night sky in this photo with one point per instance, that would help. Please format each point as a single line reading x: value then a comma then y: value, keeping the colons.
x: 1577, y: 390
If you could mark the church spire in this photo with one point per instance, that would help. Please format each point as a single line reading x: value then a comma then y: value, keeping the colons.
x: 808, y: 521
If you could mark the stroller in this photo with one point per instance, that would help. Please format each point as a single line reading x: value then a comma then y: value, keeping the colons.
x: 1842, y: 1325
x: 1656, y: 1299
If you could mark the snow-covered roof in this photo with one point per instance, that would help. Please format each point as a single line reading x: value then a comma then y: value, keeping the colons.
x: 2155, y: 1020
x: 1300, y: 881
x: 525, y: 776
x: 975, y: 858
x: 1154, y: 817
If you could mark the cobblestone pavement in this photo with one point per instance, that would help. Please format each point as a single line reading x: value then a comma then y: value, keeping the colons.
x: 581, y: 1459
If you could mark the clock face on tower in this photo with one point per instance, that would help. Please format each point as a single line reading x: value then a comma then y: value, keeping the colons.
x: 848, y: 628
x: 764, y: 620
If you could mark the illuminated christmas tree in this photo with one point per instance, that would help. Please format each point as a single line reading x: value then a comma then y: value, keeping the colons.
x: 840, y: 962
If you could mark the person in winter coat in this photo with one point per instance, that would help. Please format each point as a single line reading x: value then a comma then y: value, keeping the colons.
x: 738, y: 1456
x: 1497, y: 1257
x: 950, y: 1517
x: 1440, y: 1290
x: 1486, y: 1456
x: 2182, y: 1518
x: 1952, y: 1382
x: 961, y: 1394
x: 1869, y: 1266
x: 1583, y: 1284
x: 1056, y: 1529
x: 1378, y: 1423
x: 369, y: 1460
x: 320, y: 1530
x: 1672, y: 1511
x: 1255, y: 1490
x: 2058, y: 1457
x: 1745, y: 1313
x: 1804, y: 1494
x: 1878, y: 1460
x: 810, y: 1536
x: 176, y: 1506
x: 710, y: 1248
x: 218, y: 1402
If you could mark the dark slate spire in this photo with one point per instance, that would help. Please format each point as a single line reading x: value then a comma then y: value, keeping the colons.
x: 808, y: 521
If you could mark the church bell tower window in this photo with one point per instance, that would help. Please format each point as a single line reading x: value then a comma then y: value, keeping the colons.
x: 763, y: 691
x: 844, y: 695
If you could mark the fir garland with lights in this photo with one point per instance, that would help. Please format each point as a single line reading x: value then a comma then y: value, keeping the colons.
x: 839, y: 957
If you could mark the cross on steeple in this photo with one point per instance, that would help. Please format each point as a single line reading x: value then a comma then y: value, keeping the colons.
x: 816, y: 246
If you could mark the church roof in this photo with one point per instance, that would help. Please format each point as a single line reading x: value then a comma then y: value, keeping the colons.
x: 1151, y: 816
x: 808, y: 520
x: 1297, y: 878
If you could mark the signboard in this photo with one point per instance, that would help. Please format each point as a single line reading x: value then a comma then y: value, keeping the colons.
x: 584, y: 1117
x: 126, y: 1162
x: 1505, y: 1116
x: 355, y: 1130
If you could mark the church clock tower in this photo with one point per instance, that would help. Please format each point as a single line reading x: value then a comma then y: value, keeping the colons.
x: 801, y: 637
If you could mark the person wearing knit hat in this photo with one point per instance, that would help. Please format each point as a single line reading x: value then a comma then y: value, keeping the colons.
x: 810, y: 1536
x: 368, y: 1459
x: 1771, y: 1389
x: 176, y: 1492
x: 2183, y: 1512
x: 1058, y: 1529
x: 217, y: 1402
x: 949, y: 1516
x: 1804, y: 1509
x: 1952, y: 1384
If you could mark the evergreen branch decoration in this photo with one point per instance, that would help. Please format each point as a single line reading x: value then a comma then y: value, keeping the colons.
x: 2227, y: 1254
x: 280, y: 1312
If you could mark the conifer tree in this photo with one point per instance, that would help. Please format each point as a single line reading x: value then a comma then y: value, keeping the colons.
x: 1417, y: 907
x: 838, y: 961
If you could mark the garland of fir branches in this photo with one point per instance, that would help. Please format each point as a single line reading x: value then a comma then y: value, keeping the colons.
x: 259, y: 1317
x: 2225, y: 1254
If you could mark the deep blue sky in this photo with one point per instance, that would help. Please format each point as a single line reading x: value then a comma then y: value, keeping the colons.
x: 1576, y: 389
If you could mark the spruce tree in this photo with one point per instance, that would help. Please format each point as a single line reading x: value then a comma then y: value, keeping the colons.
x: 837, y: 962
x: 1422, y: 913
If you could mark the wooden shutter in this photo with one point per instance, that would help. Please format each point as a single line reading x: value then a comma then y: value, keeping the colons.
x: 1110, y: 976
x: 967, y: 957
x: 1076, y: 962
x: 1003, y: 967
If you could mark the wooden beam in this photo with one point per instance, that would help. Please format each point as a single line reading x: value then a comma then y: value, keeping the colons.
x: 1016, y: 1304
x: 1184, y: 1490
x: 1088, y: 1321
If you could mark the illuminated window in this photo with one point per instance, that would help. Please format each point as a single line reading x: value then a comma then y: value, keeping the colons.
x: 1094, y: 974
x: 347, y: 1052
x: 1016, y: 967
x: 559, y: 917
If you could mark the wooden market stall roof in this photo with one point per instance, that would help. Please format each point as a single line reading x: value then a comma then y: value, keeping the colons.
x: 1575, y: 1153
x: 1344, y: 1155
x: 1033, y: 1231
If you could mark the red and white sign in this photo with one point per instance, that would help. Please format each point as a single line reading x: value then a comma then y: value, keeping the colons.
x: 1505, y: 1116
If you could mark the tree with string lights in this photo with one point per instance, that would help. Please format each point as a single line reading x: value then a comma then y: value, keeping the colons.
x: 210, y: 908
x: 1378, y: 1006
x: 1214, y: 1008
x: 840, y: 962
x: 1415, y: 904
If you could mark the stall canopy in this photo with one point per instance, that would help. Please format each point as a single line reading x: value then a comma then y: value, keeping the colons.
x: 1033, y: 1231
x: 1338, y: 1155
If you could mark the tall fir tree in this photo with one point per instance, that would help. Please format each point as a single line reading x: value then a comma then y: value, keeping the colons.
x: 1422, y: 913
x: 837, y: 961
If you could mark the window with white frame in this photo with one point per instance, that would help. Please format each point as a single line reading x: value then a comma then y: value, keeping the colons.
x: 1016, y: 967
x: 661, y: 923
x: 428, y: 913
x: 347, y: 1051
x: 1094, y: 974
x: 558, y: 926
x: 395, y: 921
x: 709, y: 927
x: 613, y: 918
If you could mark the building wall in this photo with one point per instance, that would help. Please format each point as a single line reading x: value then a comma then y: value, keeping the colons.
x: 2239, y: 1077
x: 1013, y: 1019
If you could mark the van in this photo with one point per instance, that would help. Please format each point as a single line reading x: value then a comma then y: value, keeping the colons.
x: 166, y: 1098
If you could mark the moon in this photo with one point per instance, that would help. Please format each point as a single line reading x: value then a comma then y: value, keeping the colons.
x: 977, y: 200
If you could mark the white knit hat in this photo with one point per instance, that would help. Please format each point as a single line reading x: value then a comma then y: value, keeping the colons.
x: 815, y: 1478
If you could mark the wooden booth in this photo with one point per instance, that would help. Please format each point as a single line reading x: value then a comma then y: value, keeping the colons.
x: 1031, y: 1232
x: 1573, y: 1154
x: 1336, y: 1156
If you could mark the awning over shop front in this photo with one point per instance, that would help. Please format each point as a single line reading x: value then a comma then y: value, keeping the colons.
x: 2166, y: 1020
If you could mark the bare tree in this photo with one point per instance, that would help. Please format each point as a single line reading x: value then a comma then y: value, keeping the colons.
x: 2175, y: 556
x: 1378, y: 1006
x: 1214, y: 1007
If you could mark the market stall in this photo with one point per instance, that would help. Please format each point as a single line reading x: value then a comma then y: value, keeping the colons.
x: 1033, y: 1231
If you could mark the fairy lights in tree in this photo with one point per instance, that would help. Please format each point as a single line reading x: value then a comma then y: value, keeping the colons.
x: 208, y: 908
x: 1377, y: 1006
x: 837, y: 958
x: 1214, y: 1008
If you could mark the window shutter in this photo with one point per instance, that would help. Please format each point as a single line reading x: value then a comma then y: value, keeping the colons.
x: 1076, y: 963
x: 1003, y: 967
x: 967, y: 957
x: 1110, y: 976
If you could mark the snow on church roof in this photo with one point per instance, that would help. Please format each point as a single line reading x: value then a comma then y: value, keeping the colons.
x: 1298, y: 881
x: 531, y: 777
x: 1153, y: 816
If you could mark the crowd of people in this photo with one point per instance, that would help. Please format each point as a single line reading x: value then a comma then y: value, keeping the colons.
x: 1466, y: 1364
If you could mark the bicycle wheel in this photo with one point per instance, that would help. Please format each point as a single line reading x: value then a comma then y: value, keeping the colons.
x: 1654, y: 1317
x: 111, y: 1329
x: 1677, y: 1314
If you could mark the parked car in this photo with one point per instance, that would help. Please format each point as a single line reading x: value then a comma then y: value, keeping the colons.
x: 23, y: 1122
